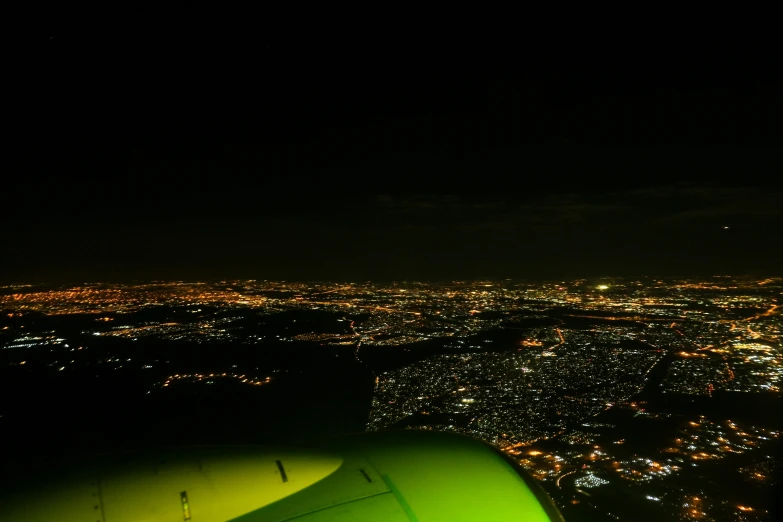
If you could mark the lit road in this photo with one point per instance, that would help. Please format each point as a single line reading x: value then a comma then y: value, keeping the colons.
x: 557, y: 482
x: 768, y: 313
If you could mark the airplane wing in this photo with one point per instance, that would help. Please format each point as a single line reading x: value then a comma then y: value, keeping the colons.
x: 394, y: 476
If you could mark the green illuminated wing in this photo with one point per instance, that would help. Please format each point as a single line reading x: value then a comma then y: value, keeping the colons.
x: 404, y: 476
x: 414, y: 476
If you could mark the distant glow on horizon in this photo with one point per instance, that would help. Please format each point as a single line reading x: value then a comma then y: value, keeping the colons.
x: 603, y: 287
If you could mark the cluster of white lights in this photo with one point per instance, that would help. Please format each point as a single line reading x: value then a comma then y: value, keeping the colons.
x: 590, y: 481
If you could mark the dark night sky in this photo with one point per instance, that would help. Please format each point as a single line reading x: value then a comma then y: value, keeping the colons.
x: 193, y: 143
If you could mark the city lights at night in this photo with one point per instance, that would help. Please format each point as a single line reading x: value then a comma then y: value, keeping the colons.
x: 282, y: 272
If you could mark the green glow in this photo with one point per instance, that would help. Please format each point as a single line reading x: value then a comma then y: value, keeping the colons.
x: 408, y: 476
x: 431, y: 477
x: 450, y: 477
x: 398, y: 495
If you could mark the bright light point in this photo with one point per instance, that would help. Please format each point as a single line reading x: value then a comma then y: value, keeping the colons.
x: 725, y: 228
x: 603, y: 287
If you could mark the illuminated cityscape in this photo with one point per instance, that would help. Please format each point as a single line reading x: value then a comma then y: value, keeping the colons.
x: 564, y: 246
x: 639, y: 388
